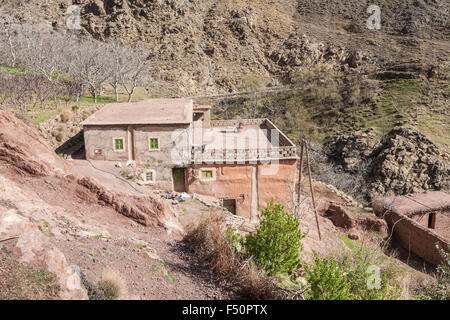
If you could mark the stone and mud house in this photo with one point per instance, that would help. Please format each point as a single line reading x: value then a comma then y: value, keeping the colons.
x: 418, y: 222
x: 245, y: 163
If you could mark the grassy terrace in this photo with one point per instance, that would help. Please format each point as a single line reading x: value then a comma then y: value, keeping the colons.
x: 38, y: 113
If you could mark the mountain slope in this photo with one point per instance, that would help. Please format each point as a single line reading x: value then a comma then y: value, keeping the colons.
x: 209, y: 46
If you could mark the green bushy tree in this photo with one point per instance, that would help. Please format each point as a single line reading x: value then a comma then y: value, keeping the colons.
x: 361, y: 269
x: 327, y: 280
x: 348, y: 279
x: 277, y: 243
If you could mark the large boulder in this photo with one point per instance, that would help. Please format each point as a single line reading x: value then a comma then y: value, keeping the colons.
x: 409, y: 162
x: 33, y: 248
x: 353, y: 151
x: 405, y: 161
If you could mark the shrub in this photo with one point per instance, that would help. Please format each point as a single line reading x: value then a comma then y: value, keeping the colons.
x: 361, y: 268
x: 327, y: 280
x: 65, y: 116
x: 86, y: 114
x: 357, y: 275
x: 58, y: 134
x: 276, y: 245
x: 113, y: 284
x: 439, y: 290
x: 213, y: 246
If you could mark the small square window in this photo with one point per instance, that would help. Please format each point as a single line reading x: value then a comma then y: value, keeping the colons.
x: 118, y: 144
x: 207, y: 174
x: 149, y: 176
x: 154, y: 143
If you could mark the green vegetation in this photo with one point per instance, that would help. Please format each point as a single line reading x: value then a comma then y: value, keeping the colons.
x: 22, y: 282
x: 349, y: 243
x: 439, y: 290
x: 273, y: 254
x: 10, y: 70
x: 44, y: 227
x: 44, y: 116
x: 353, y: 278
x: 362, y: 273
x: 276, y: 245
x: 327, y: 280
x: 170, y: 277
x: 100, y: 99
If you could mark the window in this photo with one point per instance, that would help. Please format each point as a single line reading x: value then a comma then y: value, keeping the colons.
x: 149, y: 176
x: 118, y: 144
x: 207, y: 174
x: 153, y: 143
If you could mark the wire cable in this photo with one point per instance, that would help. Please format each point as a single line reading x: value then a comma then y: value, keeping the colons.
x: 113, y: 174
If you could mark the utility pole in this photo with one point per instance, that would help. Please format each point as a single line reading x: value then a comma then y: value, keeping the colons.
x: 300, y: 176
x: 304, y: 149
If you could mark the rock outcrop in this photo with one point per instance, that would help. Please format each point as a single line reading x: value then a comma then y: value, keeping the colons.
x: 33, y: 248
x: 405, y: 161
x: 351, y: 224
x: 42, y: 204
x: 147, y: 210
x: 298, y: 50
x: 208, y: 46
x: 25, y: 150
x: 352, y: 152
x: 409, y: 162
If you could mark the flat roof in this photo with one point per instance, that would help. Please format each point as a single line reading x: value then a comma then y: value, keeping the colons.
x: 150, y: 111
x: 229, y: 137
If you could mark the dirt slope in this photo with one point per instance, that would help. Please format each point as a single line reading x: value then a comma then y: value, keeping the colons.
x: 62, y: 219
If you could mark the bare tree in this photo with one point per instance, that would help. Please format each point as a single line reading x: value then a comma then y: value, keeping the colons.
x: 8, y: 35
x: 137, y: 63
x: 44, y: 51
x: 90, y: 65
x: 118, y: 56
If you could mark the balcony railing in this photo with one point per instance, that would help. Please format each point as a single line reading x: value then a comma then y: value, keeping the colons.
x: 200, y: 155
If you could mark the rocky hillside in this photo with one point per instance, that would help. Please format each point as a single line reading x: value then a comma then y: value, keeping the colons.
x: 404, y: 162
x: 55, y: 222
x: 208, y: 46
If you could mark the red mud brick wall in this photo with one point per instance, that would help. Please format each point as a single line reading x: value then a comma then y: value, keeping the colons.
x: 275, y: 180
x: 420, y: 240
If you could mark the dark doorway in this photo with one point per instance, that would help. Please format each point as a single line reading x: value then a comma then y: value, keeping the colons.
x: 230, y: 205
x: 198, y: 116
x: 179, y: 179
x: 431, y: 220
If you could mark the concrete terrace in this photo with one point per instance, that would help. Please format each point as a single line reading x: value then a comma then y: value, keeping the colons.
x: 241, y: 140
